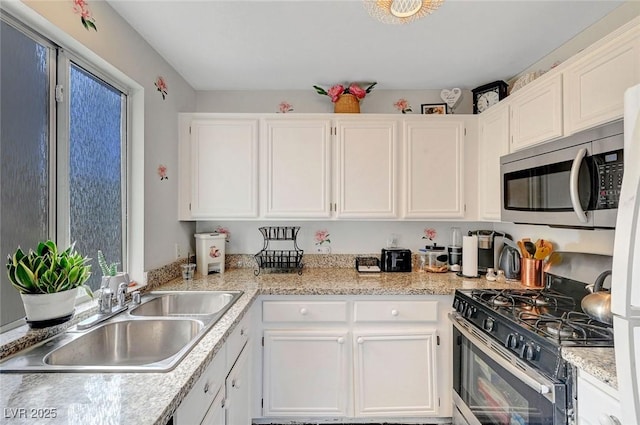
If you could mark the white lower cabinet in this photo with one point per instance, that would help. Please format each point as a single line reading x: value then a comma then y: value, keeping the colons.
x: 238, y: 391
x: 216, y: 413
x: 305, y: 372
x: 352, y: 356
x: 395, y: 373
x: 598, y: 403
x: 222, y: 394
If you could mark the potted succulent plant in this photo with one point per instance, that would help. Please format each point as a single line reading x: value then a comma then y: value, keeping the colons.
x: 47, y: 280
x: 111, y: 278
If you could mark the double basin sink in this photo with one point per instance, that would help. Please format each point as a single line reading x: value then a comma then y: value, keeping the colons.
x: 153, y: 336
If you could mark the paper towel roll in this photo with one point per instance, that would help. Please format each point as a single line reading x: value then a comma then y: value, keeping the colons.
x: 470, y: 256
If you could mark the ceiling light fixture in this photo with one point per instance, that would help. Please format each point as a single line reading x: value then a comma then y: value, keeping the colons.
x: 401, y: 11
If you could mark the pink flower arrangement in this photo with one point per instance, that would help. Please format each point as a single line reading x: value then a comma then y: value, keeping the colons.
x: 80, y: 7
x: 338, y: 90
x: 322, y: 236
x: 403, y: 106
x: 285, y: 107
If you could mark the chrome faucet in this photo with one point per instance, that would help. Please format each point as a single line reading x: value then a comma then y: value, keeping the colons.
x: 106, y: 307
x: 105, y: 302
x: 121, y: 294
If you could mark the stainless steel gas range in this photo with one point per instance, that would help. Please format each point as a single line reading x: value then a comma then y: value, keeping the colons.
x: 508, y: 368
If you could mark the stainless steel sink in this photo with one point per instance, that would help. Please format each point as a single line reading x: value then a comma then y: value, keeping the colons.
x: 186, y: 303
x: 153, y: 337
x: 127, y: 343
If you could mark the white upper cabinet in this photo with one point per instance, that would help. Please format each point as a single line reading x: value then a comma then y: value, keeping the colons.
x: 296, y: 180
x: 493, y: 143
x: 536, y: 112
x: 224, y: 162
x: 433, y: 154
x: 594, y: 85
x: 366, y: 170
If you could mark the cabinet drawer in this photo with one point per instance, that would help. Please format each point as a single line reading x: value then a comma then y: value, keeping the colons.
x: 196, y: 404
x: 395, y: 311
x: 304, y: 311
x: 237, y: 340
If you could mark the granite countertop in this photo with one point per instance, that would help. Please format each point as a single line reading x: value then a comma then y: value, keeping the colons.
x: 151, y: 398
x: 597, y: 361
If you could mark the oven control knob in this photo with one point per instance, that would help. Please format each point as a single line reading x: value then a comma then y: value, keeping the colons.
x: 512, y: 341
x: 455, y: 304
x: 528, y: 352
x: 470, y: 312
x: 487, y: 324
x: 461, y: 307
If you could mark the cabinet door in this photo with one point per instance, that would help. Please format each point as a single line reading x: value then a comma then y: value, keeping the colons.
x: 536, y: 113
x: 224, y: 160
x: 366, y: 175
x: 493, y: 143
x: 395, y: 373
x: 297, y: 167
x: 433, y: 179
x: 238, y: 402
x: 306, y: 373
x: 598, y: 403
x: 216, y: 413
x: 595, y: 85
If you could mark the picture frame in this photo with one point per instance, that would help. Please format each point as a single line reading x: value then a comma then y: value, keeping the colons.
x: 434, y: 108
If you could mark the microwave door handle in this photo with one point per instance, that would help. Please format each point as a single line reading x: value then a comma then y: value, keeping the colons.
x: 573, y: 186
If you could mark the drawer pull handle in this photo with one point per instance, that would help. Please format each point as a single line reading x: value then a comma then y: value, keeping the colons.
x: 608, y: 420
x: 235, y: 383
x: 394, y: 312
x: 206, y: 388
x: 242, y: 332
x: 360, y: 340
x: 340, y: 340
x: 304, y: 311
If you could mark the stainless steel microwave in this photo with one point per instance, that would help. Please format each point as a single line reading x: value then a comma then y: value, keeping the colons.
x: 571, y: 182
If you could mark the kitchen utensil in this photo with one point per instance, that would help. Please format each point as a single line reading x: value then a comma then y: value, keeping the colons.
x: 523, y: 250
x: 530, y: 247
x: 597, y: 305
x: 510, y: 260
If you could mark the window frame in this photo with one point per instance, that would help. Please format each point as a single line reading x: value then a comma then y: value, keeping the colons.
x: 28, y: 20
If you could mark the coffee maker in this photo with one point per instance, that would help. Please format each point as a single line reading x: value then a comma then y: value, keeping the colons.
x: 490, y: 245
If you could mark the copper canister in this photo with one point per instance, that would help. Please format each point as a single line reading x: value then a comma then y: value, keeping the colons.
x: 531, y: 272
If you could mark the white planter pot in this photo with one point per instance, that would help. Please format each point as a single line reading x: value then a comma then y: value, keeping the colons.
x: 115, y: 281
x: 49, y: 309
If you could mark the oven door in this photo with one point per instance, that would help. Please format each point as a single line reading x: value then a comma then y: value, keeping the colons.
x: 492, y: 387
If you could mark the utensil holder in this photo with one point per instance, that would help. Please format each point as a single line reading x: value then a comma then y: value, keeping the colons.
x: 531, y: 272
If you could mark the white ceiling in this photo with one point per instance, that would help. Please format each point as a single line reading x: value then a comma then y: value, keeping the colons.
x: 292, y: 45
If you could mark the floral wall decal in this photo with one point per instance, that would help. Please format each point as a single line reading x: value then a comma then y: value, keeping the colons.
x: 403, y: 106
x: 162, y: 172
x: 285, y: 107
x: 430, y: 233
x: 224, y: 231
x: 161, y: 86
x: 322, y: 236
x: 80, y: 7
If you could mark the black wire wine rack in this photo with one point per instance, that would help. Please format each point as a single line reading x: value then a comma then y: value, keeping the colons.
x: 279, y: 260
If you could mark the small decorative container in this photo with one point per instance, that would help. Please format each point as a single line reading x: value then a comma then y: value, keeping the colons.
x: 347, y: 103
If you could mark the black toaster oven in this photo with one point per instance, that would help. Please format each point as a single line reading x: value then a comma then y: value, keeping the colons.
x: 395, y: 260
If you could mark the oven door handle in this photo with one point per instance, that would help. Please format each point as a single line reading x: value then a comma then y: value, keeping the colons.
x: 490, y: 350
x: 573, y: 186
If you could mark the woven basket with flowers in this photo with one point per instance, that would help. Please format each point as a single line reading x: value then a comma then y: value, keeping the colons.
x: 346, y: 98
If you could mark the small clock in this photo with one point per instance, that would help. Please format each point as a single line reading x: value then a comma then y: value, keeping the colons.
x: 488, y: 95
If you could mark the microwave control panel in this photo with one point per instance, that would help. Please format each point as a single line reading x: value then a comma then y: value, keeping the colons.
x: 610, y: 168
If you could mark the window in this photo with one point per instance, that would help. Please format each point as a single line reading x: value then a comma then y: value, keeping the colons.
x: 63, y: 155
